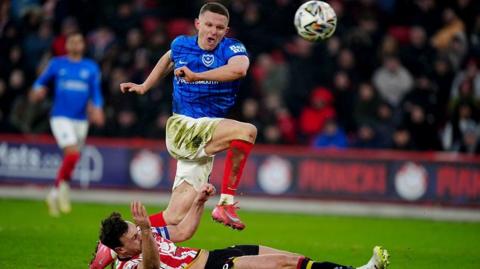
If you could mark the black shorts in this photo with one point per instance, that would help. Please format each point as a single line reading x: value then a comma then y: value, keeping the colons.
x: 223, y: 258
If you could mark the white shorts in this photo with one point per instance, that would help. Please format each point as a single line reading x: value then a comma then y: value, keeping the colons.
x: 186, y: 139
x: 69, y: 132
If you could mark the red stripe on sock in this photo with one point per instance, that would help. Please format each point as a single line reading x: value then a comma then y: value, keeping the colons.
x: 300, y: 262
x: 66, y: 169
x: 231, y: 177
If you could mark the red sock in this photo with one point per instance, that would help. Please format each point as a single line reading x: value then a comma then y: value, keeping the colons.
x: 66, y: 169
x: 301, y: 263
x: 231, y: 175
x: 157, y: 220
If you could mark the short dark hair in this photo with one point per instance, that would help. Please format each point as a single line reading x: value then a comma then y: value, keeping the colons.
x: 215, y: 8
x: 74, y: 33
x: 112, y: 229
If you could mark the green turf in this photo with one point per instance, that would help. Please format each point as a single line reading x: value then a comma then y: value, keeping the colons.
x: 29, y: 238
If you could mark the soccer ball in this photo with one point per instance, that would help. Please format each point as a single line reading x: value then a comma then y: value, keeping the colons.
x: 315, y: 20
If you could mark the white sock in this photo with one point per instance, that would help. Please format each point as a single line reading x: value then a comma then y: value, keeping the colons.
x: 54, y: 192
x: 226, y: 199
x: 369, y: 265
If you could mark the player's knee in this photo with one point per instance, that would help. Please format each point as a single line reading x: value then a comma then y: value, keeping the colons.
x: 248, y: 132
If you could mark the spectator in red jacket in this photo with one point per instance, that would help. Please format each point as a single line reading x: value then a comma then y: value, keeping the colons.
x: 314, y: 116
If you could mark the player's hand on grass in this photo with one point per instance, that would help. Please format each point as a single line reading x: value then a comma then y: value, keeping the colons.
x: 185, y: 73
x: 132, y: 87
x: 206, y: 191
x: 140, y: 216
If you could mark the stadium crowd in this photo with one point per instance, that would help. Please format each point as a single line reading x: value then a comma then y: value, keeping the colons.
x: 396, y: 74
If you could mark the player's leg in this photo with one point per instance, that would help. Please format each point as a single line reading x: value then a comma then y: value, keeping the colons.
x: 71, y: 158
x: 178, y: 206
x: 266, y: 257
x: 64, y: 132
x: 274, y: 261
x: 238, y: 139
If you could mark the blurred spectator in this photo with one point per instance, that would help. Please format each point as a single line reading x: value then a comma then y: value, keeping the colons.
x: 99, y: 41
x: 250, y: 113
x: 471, y: 140
x: 418, y: 54
x: 332, y: 136
x: 474, y: 36
x: 401, y: 139
x: 315, y: 115
x: 452, y: 27
x: 36, y: 44
x: 424, y: 96
x: 287, y: 125
x: 125, y: 19
x: 470, y: 75
x: 392, y: 80
x: 270, y: 75
x: 465, y: 113
x: 346, y: 64
x: 27, y: 117
x: 271, y: 134
x: 126, y: 124
x: 385, y: 125
x: 344, y: 100
x: 423, y: 131
x: 366, y: 137
x: 302, y: 73
x: 366, y: 105
x: 69, y: 25
x: 442, y: 78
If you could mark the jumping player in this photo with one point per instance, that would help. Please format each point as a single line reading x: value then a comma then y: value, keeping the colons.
x: 77, y: 84
x: 207, y: 68
x: 141, y: 246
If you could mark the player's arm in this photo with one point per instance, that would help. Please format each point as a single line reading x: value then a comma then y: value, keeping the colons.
x: 161, y: 70
x: 151, y: 258
x: 39, y: 88
x: 95, y: 108
x: 236, y: 68
x: 187, y: 227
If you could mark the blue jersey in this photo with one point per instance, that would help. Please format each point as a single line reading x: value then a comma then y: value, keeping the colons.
x: 203, y: 98
x: 76, y: 82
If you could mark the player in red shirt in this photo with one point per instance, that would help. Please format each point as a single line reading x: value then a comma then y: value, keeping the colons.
x: 140, y: 246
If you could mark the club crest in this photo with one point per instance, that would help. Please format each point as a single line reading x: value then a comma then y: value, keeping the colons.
x: 208, y: 59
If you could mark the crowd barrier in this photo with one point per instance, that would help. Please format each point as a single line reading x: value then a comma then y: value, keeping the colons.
x: 436, y: 178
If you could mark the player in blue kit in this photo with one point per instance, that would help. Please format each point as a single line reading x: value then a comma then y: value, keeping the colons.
x: 77, y: 89
x: 208, y: 68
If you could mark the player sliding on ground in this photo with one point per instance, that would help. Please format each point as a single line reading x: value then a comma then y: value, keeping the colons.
x: 140, y: 246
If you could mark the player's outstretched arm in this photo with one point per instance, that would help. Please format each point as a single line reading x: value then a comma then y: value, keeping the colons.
x: 236, y: 68
x: 38, y: 94
x: 161, y: 69
x: 187, y: 227
x: 151, y: 258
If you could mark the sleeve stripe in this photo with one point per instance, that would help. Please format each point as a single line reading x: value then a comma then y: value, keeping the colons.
x: 163, y: 231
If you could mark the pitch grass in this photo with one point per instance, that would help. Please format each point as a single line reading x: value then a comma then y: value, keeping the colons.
x: 29, y: 238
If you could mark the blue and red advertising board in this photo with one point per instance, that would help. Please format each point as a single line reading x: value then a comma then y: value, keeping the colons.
x: 379, y: 176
